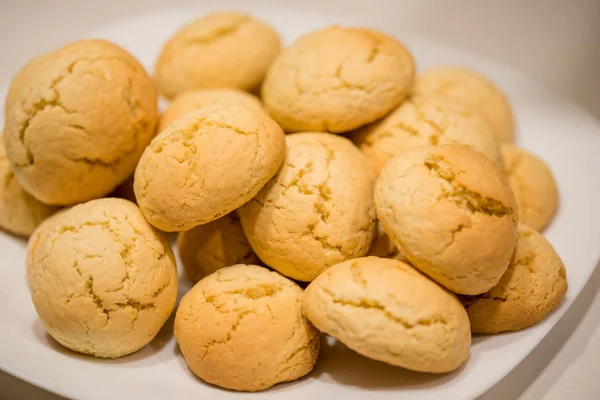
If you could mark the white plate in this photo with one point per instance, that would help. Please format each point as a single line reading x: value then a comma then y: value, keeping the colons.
x: 551, y: 126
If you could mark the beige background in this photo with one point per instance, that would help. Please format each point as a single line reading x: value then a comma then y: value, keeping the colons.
x: 556, y: 41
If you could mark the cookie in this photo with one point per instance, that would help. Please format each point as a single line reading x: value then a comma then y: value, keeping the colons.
x: 317, y: 211
x: 426, y: 121
x: 337, y: 79
x: 474, y: 90
x: 241, y: 328
x: 533, y: 285
x: 206, y: 164
x: 34, y: 240
x: 534, y: 186
x: 451, y: 213
x: 191, y: 101
x: 104, y: 280
x: 77, y: 121
x: 226, y: 49
x: 383, y: 246
x: 386, y: 310
x: 20, y: 213
x: 218, y: 244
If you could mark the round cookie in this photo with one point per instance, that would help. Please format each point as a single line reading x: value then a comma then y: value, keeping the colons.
x: 451, y: 213
x: 533, y: 285
x: 317, y: 211
x: 533, y: 184
x: 191, y: 101
x: 255, y: 336
x: 35, y: 238
x: 337, y: 79
x: 386, y: 310
x: 206, y: 164
x: 104, y: 280
x: 77, y: 121
x: 20, y: 213
x: 425, y: 121
x: 226, y: 49
x: 383, y: 246
x: 474, y: 90
x: 218, y: 244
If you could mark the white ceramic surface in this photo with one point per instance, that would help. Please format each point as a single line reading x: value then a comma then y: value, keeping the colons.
x: 552, y: 127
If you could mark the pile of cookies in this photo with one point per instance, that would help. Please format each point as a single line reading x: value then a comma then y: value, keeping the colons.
x: 397, y: 198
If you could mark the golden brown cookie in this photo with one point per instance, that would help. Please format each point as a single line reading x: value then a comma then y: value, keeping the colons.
x: 317, y: 211
x: 225, y: 49
x: 474, y: 90
x: 386, y: 310
x: 77, y: 121
x: 452, y: 214
x: 533, y: 285
x: 241, y: 328
x: 337, y: 79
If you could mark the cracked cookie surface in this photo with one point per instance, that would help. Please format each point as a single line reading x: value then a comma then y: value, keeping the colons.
x: 104, y: 281
x: 218, y: 244
x: 241, y: 328
x: 532, y: 286
x: 452, y: 214
x: 424, y: 121
x: 227, y: 49
x: 337, y: 79
x: 318, y: 209
x: 474, y: 90
x: 206, y: 164
x: 77, y: 121
x: 191, y: 101
x: 20, y: 212
x: 533, y: 184
x: 388, y: 311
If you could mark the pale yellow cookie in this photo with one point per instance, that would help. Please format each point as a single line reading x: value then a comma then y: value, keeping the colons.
x: 218, y: 244
x: 20, y: 213
x: 534, y: 186
x: 337, y: 79
x: 425, y: 121
x: 34, y: 240
x: 317, y: 211
x: 206, y: 164
x: 383, y: 246
x: 77, y: 121
x: 191, y: 101
x: 386, y: 310
x: 241, y: 328
x: 104, y: 280
x: 474, y: 90
x: 226, y: 49
x: 533, y: 285
x: 452, y: 214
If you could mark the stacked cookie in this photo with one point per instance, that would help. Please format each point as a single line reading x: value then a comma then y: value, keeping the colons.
x: 398, y: 199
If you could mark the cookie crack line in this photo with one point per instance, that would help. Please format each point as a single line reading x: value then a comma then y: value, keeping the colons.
x: 462, y: 196
x: 368, y: 304
x: 219, y: 33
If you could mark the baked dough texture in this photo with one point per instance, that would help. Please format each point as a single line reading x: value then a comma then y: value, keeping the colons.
x: 241, y: 328
x: 191, y: 101
x: 427, y: 121
x: 386, y: 310
x: 206, y: 164
x: 534, y: 186
x: 20, y: 213
x: 226, y: 49
x: 104, y: 280
x: 77, y: 121
x: 317, y: 211
x: 384, y: 247
x: 35, y: 238
x: 218, y: 244
x: 533, y: 285
x: 474, y: 90
x: 337, y: 79
x: 452, y: 214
